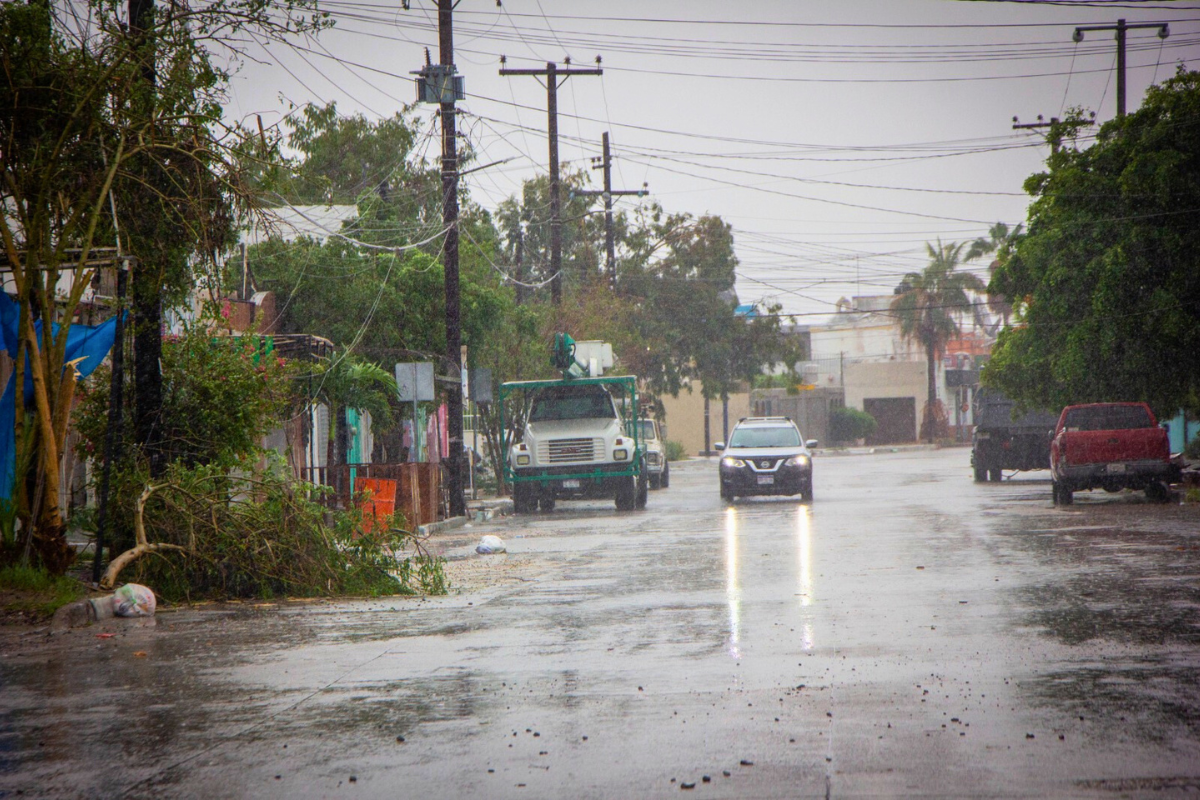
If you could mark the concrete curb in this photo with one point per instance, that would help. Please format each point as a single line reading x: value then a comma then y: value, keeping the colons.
x: 477, y: 511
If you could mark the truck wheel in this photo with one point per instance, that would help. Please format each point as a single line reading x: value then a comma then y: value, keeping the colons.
x: 656, y: 481
x: 980, y: 474
x: 1063, y: 496
x: 626, y: 495
x: 643, y: 489
x: 546, y: 502
x: 523, y: 499
x: 994, y: 475
x: 1157, y: 492
x: 665, y: 480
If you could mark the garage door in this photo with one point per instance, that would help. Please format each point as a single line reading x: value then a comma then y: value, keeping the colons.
x: 897, y: 418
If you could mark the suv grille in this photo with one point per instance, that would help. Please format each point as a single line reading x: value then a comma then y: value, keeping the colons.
x: 571, y: 451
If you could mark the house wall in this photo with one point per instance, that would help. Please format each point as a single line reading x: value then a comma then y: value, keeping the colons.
x: 685, y: 417
x: 882, y: 379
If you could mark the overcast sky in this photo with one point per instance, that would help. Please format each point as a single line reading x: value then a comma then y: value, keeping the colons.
x: 836, y: 137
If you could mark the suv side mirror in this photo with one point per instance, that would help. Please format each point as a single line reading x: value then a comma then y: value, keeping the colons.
x: 718, y: 445
x: 810, y: 443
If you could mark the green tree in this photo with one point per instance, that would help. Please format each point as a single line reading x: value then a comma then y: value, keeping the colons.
x: 926, y: 309
x: 1000, y: 242
x: 1108, y: 277
x: 80, y: 148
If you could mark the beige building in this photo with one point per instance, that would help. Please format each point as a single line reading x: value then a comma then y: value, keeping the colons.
x: 893, y: 392
x: 685, y: 417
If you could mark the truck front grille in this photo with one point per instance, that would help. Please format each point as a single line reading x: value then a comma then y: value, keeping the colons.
x: 571, y: 451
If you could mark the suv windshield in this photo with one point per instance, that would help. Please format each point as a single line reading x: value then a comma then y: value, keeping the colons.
x: 774, y: 436
x: 584, y: 402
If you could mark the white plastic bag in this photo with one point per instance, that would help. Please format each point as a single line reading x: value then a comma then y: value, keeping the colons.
x: 490, y: 544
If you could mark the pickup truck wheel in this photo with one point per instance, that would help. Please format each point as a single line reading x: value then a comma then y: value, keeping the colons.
x: 626, y: 495
x: 1062, y: 495
x: 665, y: 480
x: 656, y: 481
x: 546, y: 502
x: 1157, y: 492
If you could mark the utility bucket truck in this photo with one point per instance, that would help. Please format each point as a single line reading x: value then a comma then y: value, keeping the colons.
x: 576, y: 441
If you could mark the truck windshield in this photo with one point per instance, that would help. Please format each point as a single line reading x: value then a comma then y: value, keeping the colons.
x: 1107, y: 418
x: 647, y: 429
x: 572, y: 403
x: 765, y: 437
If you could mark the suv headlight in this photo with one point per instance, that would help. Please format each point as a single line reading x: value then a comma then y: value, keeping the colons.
x: 797, y: 461
x: 730, y: 461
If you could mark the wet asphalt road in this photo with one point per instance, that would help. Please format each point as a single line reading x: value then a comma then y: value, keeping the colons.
x: 909, y: 633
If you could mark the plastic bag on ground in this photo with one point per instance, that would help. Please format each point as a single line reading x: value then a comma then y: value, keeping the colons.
x: 490, y: 544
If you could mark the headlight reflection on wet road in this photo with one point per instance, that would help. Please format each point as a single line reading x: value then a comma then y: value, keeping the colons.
x: 804, y: 572
x: 733, y: 591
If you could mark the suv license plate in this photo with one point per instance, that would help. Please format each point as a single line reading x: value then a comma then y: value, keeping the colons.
x: 570, y: 484
x: 1116, y: 469
x: 766, y: 480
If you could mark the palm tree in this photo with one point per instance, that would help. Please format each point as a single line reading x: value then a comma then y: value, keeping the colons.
x: 925, y: 307
x: 1000, y: 241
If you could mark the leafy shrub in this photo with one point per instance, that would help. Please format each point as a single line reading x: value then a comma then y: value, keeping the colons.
x: 262, y: 534
x: 675, y: 451
x: 849, y: 424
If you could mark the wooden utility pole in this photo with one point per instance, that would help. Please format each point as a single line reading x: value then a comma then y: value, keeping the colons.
x: 552, y: 74
x: 146, y: 283
x: 454, y: 404
x: 522, y: 289
x: 1164, y: 30
x: 439, y: 83
x: 1041, y: 123
x: 604, y: 162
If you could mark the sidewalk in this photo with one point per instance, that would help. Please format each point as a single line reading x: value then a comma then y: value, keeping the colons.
x: 479, y: 510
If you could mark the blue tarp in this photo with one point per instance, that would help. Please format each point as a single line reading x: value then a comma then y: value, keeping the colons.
x: 90, y: 343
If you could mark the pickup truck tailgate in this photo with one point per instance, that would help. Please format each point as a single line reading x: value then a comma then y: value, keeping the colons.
x: 1102, y: 447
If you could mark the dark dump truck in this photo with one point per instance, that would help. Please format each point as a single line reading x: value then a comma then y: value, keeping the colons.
x: 1003, y: 442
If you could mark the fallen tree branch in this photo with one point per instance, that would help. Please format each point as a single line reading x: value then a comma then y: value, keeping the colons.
x: 141, y: 546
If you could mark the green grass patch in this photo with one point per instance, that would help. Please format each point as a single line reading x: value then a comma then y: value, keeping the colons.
x: 29, y: 591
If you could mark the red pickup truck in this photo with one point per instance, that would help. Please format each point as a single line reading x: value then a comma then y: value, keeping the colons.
x: 1110, y: 446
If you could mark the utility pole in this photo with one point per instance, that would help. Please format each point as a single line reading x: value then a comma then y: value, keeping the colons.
x: 458, y: 507
x: 145, y: 283
x: 1041, y: 123
x: 439, y: 83
x: 1164, y: 30
x: 522, y: 289
x: 604, y: 162
x: 552, y: 74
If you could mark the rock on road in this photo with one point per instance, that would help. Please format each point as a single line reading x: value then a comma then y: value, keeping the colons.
x: 908, y: 633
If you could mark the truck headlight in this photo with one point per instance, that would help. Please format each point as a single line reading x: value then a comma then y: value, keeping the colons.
x: 621, y: 455
x: 522, y: 461
x: 730, y: 461
x: 798, y: 461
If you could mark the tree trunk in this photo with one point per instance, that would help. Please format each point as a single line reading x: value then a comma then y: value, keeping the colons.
x: 929, y: 423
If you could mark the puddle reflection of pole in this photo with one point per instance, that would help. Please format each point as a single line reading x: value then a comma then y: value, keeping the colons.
x: 804, y: 571
x: 733, y: 592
